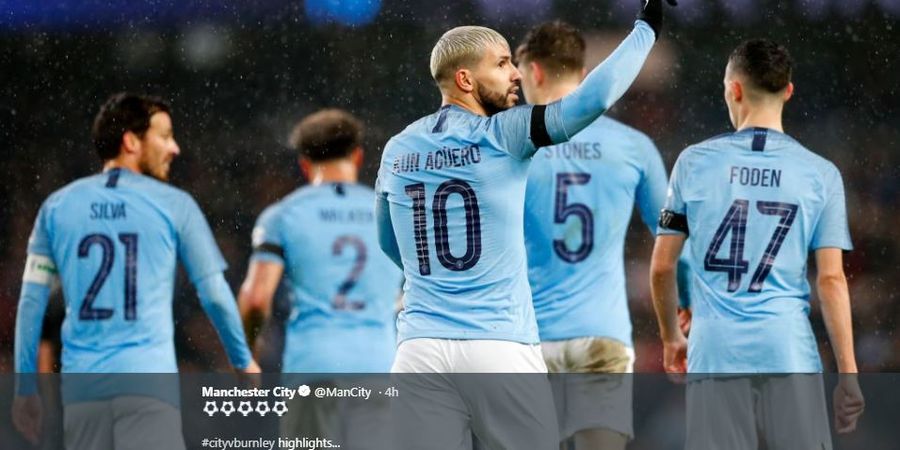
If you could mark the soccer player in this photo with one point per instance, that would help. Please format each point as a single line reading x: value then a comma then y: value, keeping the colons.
x: 343, y: 287
x: 754, y: 203
x: 451, y: 194
x: 112, y: 241
x: 578, y: 206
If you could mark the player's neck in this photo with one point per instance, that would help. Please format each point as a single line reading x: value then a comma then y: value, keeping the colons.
x: 333, y: 172
x: 466, y: 102
x: 761, y: 118
x: 555, y: 92
x: 122, y: 163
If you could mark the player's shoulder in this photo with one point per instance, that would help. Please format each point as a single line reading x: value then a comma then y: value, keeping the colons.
x: 806, y: 157
x: 414, y: 132
x: 167, y: 196
x: 715, y: 143
x: 619, y: 131
x: 296, y: 198
x: 614, y: 126
x: 358, y: 190
x: 73, y: 188
x: 703, y: 153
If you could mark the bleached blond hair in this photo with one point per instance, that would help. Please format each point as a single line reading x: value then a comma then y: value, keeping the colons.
x: 461, y: 47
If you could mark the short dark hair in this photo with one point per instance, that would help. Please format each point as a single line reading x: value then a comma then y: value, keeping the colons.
x: 121, y: 113
x: 767, y: 65
x: 556, y: 45
x: 327, y: 134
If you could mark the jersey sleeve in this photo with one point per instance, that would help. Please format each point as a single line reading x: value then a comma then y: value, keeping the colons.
x: 832, y: 229
x: 387, y: 240
x: 651, y: 190
x: 524, y: 129
x: 39, y: 241
x: 673, y: 217
x: 268, y: 244
x: 197, y: 248
x: 606, y: 83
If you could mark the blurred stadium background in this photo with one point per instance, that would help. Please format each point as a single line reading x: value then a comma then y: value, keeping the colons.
x: 240, y: 73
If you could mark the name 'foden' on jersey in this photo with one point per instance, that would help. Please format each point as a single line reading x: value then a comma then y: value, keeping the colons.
x: 754, y: 176
x: 444, y: 158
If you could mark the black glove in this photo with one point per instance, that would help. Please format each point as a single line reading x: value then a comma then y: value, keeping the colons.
x: 651, y: 12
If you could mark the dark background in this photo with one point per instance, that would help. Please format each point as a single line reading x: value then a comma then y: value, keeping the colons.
x: 240, y: 74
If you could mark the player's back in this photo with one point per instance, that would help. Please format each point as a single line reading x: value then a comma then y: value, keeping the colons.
x: 578, y: 206
x: 756, y: 203
x: 343, y: 288
x: 456, y: 196
x: 115, y: 239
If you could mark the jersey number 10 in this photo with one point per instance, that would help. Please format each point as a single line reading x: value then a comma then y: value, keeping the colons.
x: 735, y: 221
x: 441, y: 231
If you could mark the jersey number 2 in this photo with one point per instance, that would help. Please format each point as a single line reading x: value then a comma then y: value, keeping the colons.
x: 340, y: 301
x: 130, y: 241
x: 736, y: 222
x: 441, y: 231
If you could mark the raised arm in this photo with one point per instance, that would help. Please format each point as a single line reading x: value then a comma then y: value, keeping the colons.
x: 605, y: 84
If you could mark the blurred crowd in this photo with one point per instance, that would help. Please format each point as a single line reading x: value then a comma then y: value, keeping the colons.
x: 237, y: 90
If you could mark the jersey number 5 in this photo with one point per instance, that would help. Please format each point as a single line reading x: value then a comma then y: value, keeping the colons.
x: 562, y: 211
x: 736, y: 222
x: 130, y: 241
x: 441, y: 230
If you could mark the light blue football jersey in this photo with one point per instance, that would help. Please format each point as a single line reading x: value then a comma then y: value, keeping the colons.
x: 451, y: 201
x: 457, y: 199
x: 756, y: 203
x: 343, y: 287
x: 578, y: 206
x: 115, y: 239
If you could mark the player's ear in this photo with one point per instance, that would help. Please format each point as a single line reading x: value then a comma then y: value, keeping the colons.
x: 305, y: 167
x: 464, y: 80
x: 737, y: 90
x: 356, y: 155
x: 537, y: 72
x: 131, y: 143
x: 788, y: 92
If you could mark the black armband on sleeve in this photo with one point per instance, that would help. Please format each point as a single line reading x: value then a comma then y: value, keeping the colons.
x: 266, y: 247
x: 539, y: 135
x: 671, y: 220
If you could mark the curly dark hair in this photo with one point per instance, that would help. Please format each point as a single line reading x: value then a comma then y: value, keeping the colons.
x: 327, y: 134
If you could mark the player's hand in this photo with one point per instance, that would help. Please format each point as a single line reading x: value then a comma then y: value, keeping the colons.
x: 252, y: 368
x: 651, y: 12
x: 27, y: 416
x: 251, y: 375
x: 684, y: 320
x: 849, y: 403
x: 675, y: 355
